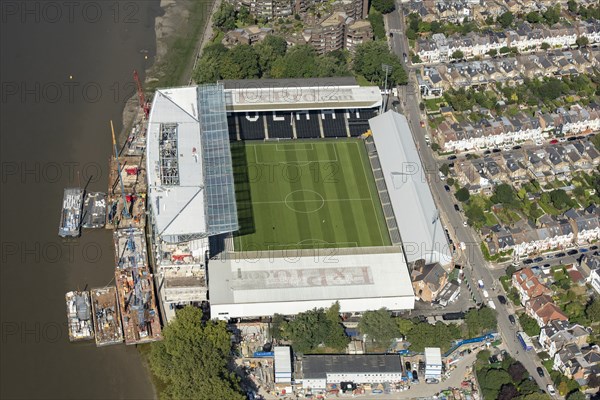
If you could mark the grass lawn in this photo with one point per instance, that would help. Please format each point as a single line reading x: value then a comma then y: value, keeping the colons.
x: 306, y: 194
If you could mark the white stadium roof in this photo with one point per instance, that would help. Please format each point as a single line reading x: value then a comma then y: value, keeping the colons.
x: 190, y: 177
x: 420, y: 228
x: 245, y: 285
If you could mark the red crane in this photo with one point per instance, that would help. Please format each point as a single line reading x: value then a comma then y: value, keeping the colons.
x: 143, y: 105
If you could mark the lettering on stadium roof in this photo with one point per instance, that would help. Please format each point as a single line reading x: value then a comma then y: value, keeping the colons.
x: 293, y: 95
x: 299, y: 278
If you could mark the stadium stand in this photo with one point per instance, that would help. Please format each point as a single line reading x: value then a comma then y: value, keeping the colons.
x: 279, y: 125
x: 252, y: 126
x: 307, y: 124
x: 334, y: 123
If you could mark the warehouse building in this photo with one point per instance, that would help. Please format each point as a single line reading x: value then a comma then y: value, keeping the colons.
x: 319, y: 371
x: 433, y: 363
x: 255, y: 284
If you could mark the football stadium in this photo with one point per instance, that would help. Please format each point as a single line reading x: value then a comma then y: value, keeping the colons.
x: 323, y: 198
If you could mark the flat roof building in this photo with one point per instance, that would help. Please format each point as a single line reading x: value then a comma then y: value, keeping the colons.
x: 433, y: 363
x: 410, y: 197
x: 255, y: 284
x: 319, y: 370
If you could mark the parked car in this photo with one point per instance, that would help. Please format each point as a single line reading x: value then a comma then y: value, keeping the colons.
x: 583, y: 250
x: 516, y: 147
x: 415, y: 376
x: 485, y: 293
x: 422, y: 124
x: 452, y: 157
x: 538, y: 259
x: 594, y: 248
x: 502, y: 299
x: 540, y: 371
x: 554, y: 141
x: 491, y: 304
x: 407, y: 367
x: 572, y: 252
x: 447, y: 188
x: 512, y: 320
x: 559, y: 255
x: 487, y: 152
x: 465, y: 224
x: 456, y: 207
x: 431, y: 380
x: 551, y: 390
x: 496, y: 150
x: 528, y: 261
x: 480, y: 284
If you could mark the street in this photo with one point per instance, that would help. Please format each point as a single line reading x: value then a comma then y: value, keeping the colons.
x: 476, y: 267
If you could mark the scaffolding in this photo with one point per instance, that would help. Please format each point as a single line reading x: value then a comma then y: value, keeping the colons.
x: 168, y: 155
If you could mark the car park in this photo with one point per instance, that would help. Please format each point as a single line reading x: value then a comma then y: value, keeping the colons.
x: 512, y: 319
x: 502, y: 299
x: 540, y: 371
x: 447, y: 188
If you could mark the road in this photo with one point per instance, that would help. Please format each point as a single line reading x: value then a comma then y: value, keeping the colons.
x: 476, y: 267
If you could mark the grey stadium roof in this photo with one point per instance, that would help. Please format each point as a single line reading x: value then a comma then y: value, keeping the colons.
x: 422, y: 232
x: 256, y: 95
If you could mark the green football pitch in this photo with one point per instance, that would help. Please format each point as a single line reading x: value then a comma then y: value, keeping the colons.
x: 306, y: 194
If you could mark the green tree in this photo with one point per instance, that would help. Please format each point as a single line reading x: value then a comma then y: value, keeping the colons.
x: 376, y: 20
x: 529, y: 325
x: 193, y: 358
x: 596, y: 141
x: 209, y: 66
x: 462, y: 195
x: 572, y: 6
x: 423, y: 335
x: 504, y: 50
x: 457, y: 55
x: 384, y: 6
x: 493, y: 381
x: 533, y: 17
x: 224, y: 17
x: 545, y: 45
x: 245, y: 58
x: 404, y: 325
x: 269, y: 50
x: 493, y: 53
x: 552, y: 15
x: 582, y: 41
x: 298, y: 62
x: 506, y: 19
x: 480, y: 321
x: 278, y: 327
x: 576, y: 395
x: 369, y: 58
x: 517, y: 372
x: 313, y: 328
x: 592, y: 311
x: 475, y: 215
x: 560, y: 199
x: 504, y: 194
x: 244, y: 16
x: 445, y: 169
x: 537, y: 396
x: 378, y: 326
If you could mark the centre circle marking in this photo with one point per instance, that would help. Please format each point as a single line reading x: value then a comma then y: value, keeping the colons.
x: 319, y: 200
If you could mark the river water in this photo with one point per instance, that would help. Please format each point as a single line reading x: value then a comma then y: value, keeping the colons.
x: 66, y: 70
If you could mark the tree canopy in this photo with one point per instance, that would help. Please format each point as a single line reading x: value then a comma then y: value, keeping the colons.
x: 384, y: 6
x: 462, y: 195
x: 313, y: 328
x: 369, y: 59
x: 505, y: 20
x: 480, y: 321
x: 504, y: 194
x: 378, y: 326
x: 529, y: 325
x: 193, y: 358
